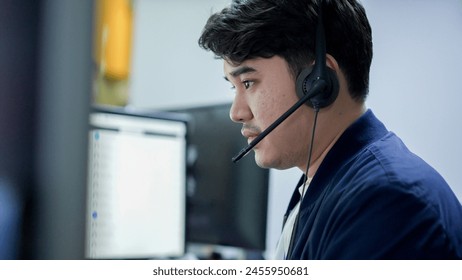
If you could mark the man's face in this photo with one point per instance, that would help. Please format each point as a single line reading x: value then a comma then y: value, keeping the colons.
x: 264, y: 90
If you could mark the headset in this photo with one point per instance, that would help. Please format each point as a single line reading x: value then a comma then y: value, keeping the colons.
x: 319, y: 72
x: 316, y: 86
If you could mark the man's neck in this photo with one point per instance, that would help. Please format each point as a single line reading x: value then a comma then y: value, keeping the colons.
x: 346, y: 121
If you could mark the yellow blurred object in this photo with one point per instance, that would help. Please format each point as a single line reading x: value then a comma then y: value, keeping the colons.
x: 112, y: 51
x: 113, y: 41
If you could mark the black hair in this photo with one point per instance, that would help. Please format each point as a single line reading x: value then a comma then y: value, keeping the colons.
x: 264, y: 28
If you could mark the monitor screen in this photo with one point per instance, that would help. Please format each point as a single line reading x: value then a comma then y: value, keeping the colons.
x: 227, y: 202
x: 136, y: 185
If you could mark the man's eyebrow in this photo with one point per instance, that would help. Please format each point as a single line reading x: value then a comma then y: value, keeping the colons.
x: 241, y: 70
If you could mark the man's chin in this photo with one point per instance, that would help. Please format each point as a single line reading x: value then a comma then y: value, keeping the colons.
x: 259, y: 160
x: 265, y: 162
x: 268, y: 162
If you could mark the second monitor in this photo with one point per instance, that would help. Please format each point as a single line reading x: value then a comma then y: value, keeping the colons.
x: 227, y: 202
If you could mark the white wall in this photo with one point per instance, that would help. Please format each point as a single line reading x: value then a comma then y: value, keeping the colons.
x: 169, y: 68
x: 415, y: 87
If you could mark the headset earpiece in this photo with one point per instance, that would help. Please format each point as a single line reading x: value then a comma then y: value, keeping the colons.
x: 327, y: 91
x: 325, y: 98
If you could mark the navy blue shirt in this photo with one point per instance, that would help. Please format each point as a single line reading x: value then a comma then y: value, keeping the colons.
x: 371, y: 198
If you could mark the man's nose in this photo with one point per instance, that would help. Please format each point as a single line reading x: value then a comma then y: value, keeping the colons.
x: 240, y: 111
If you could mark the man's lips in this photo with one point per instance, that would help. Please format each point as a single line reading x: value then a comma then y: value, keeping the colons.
x: 250, y: 134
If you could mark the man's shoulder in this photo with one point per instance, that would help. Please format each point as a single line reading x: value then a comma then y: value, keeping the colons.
x: 389, y: 161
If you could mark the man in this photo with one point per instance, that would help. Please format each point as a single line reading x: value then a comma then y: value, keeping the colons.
x: 365, y: 195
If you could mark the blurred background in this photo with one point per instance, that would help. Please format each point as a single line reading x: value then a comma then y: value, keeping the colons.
x: 60, y: 57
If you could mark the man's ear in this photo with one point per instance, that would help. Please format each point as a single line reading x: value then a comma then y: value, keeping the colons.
x: 332, y: 63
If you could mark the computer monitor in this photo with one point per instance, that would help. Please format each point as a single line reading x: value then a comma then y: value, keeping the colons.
x: 136, y: 185
x: 227, y: 202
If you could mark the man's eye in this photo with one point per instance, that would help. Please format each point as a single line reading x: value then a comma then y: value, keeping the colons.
x: 247, y: 84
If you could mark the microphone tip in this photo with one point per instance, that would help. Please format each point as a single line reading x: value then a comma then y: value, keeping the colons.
x: 241, y: 154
